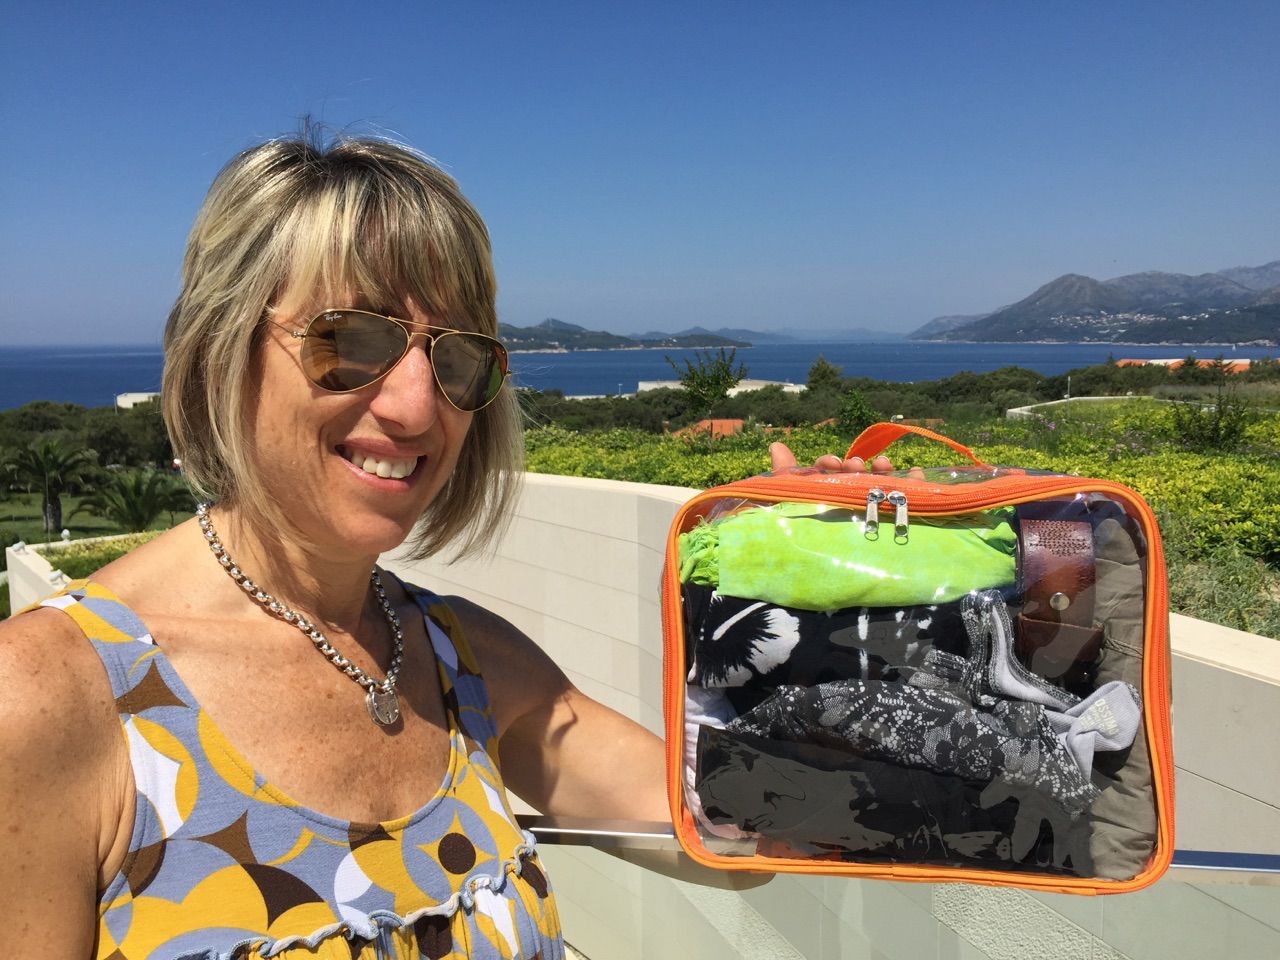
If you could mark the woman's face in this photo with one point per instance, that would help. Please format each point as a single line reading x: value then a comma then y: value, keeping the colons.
x: 352, y: 471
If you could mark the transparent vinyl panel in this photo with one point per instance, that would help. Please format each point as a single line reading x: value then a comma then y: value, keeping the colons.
x: 870, y: 685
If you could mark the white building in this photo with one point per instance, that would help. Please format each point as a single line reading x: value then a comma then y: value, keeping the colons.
x: 126, y: 400
x: 744, y: 386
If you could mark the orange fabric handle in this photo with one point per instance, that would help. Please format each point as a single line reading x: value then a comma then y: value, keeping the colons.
x: 876, y: 439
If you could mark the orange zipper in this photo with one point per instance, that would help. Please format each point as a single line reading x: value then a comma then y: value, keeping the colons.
x: 931, y: 499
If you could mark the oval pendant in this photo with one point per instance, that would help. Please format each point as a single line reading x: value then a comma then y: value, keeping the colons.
x: 383, y: 705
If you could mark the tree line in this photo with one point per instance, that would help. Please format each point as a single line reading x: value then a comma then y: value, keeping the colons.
x: 117, y: 462
x: 854, y: 402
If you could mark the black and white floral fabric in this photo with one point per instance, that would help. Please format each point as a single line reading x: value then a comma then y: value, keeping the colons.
x: 733, y: 642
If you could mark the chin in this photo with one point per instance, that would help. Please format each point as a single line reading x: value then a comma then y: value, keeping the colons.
x: 374, y: 536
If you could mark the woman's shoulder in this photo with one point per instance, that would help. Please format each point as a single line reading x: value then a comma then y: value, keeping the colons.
x: 493, y: 638
x: 54, y: 682
x: 519, y: 674
x: 60, y: 743
x: 64, y: 787
x: 45, y: 645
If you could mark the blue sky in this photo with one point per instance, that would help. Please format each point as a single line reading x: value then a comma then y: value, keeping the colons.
x: 653, y: 166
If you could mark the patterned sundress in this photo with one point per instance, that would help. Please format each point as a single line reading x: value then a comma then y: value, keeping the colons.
x: 222, y: 865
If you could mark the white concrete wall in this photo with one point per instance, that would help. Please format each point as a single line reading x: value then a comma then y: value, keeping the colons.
x: 31, y: 576
x: 579, y: 572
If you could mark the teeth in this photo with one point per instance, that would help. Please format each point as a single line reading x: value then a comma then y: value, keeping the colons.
x: 394, y: 469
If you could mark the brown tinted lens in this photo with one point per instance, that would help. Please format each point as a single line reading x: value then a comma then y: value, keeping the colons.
x: 469, y: 368
x: 346, y: 349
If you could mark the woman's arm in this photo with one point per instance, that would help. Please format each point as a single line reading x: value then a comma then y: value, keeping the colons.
x: 562, y: 752
x: 60, y: 785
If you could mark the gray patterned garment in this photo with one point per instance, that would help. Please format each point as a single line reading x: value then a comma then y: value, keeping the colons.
x: 936, y: 730
x: 987, y: 759
x: 805, y: 800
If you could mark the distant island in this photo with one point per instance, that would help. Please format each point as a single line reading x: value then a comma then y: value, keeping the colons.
x: 558, y: 336
x: 1240, y: 305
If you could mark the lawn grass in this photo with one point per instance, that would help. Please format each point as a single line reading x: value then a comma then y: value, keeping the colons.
x: 20, y: 514
x: 20, y: 519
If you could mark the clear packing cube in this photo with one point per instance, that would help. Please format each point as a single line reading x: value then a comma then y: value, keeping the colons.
x: 961, y: 675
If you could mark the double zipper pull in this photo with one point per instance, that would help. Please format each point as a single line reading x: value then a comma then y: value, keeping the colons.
x: 874, y: 497
x: 899, y: 501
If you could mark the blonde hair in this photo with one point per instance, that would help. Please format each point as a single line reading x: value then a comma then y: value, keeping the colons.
x: 304, y: 219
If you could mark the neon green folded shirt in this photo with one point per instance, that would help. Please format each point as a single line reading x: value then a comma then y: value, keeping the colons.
x: 811, y: 557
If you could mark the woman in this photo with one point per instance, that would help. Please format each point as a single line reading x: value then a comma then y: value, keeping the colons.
x: 268, y: 747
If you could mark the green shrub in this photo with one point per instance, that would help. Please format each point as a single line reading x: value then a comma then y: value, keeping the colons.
x: 1209, y: 427
x: 855, y: 414
x: 79, y: 560
x: 1221, y: 584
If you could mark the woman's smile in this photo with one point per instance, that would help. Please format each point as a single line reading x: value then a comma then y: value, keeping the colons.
x: 381, y: 464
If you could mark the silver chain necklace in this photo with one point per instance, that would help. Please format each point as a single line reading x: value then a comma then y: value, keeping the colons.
x: 380, y: 698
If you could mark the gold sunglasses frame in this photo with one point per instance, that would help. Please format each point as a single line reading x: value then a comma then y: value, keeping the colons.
x: 408, y: 326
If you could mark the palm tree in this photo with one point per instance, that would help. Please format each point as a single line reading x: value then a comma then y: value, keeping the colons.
x: 51, y: 466
x: 135, y: 499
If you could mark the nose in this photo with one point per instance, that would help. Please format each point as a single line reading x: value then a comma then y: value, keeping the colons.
x: 407, y: 395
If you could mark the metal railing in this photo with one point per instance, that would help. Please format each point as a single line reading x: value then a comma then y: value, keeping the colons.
x: 654, y: 846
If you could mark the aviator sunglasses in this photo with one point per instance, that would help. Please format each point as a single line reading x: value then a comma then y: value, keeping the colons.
x: 344, y: 350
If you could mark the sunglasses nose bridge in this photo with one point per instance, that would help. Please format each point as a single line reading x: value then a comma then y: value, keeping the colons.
x: 427, y: 347
x: 413, y: 334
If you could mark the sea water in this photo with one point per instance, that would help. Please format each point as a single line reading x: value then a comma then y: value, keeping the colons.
x: 93, y: 375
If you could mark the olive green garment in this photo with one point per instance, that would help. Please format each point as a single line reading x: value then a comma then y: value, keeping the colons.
x: 812, y: 557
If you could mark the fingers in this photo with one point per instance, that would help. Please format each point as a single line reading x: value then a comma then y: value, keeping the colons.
x: 833, y: 464
x: 830, y: 462
x: 780, y: 456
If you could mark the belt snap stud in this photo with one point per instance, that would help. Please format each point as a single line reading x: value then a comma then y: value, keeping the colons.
x: 1059, y: 601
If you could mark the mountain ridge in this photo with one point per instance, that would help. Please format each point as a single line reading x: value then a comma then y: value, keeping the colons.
x: 1152, y: 306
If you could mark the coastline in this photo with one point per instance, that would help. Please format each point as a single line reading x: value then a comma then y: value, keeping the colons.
x: 93, y: 376
x: 1250, y: 344
x: 1253, y: 344
x: 679, y: 346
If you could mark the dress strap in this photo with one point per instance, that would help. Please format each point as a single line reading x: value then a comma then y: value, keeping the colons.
x: 465, y: 693
x: 120, y: 639
x: 141, y: 679
x: 99, y: 613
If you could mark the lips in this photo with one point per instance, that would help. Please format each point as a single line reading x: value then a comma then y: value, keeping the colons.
x: 380, y: 465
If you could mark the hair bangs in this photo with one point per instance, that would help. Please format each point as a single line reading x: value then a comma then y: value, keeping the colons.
x: 384, y: 242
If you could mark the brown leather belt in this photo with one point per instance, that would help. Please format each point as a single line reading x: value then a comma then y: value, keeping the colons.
x: 1056, y: 635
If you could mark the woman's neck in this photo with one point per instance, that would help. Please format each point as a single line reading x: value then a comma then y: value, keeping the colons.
x: 327, y: 585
